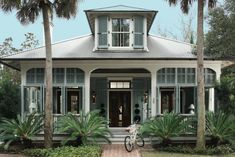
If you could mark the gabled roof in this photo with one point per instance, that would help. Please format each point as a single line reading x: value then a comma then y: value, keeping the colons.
x: 92, y: 13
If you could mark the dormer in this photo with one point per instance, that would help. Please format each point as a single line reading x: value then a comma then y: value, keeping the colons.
x: 120, y: 27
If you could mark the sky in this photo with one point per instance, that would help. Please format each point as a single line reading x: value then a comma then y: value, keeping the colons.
x: 168, y: 18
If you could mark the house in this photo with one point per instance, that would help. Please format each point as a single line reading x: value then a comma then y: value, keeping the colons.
x: 119, y: 70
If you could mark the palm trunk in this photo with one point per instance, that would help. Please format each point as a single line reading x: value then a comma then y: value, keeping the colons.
x: 200, y: 80
x: 48, y: 122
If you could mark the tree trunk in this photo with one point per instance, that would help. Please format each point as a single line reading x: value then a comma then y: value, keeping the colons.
x: 48, y: 121
x: 200, y: 80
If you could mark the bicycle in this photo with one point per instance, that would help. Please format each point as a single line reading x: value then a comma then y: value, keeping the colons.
x: 134, y: 138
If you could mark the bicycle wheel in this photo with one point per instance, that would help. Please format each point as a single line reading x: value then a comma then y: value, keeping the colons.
x: 128, y: 144
x: 139, y: 141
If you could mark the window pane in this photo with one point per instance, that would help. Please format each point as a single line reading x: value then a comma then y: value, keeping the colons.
x: 125, y: 25
x: 181, y: 75
x: 116, y: 25
x: 30, y: 76
x: 39, y: 75
x: 116, y: 39
x: 32, y: 99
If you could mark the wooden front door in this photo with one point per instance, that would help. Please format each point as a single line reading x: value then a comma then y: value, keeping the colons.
x: 167, y: 101
x: 119, y: 108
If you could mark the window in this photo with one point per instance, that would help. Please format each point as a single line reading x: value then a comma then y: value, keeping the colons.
x: 166, y: 75
x: 35, y: 75
x: 32, y: 99
x: 120, y: 84
x: 186, y: 75
x: 58, y: 75
x: 210, y: 77
x: 120, y: 32
x: 74, y: 75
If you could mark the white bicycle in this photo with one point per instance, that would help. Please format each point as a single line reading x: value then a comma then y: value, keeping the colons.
x: 134, y: 138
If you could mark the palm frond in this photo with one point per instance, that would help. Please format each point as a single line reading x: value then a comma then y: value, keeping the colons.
x: 9, y: 5
x: 87, y: 126
x: 66, y: 9
x: 29, y: 12
x: 20, y: 128
x: 169, y: 125
x: 220, y: 125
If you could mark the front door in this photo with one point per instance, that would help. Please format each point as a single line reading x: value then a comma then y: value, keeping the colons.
x: 119, y: 108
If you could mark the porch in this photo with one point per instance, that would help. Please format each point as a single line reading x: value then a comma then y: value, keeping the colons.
x: 122, y: 95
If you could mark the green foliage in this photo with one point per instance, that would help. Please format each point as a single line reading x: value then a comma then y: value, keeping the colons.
x: 220, y: 127
x: 88, y: 126
x: 21, y: 129
x: 225, y: 91
x: 9, y: 93
x: 219, y: 150
x: 220, y: 41
x: 84, y: 151
x: 169, y: 125
x: 7, y: 48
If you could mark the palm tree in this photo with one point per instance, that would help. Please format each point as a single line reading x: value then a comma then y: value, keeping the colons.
x: 27, y: 12
x: 185, y: 4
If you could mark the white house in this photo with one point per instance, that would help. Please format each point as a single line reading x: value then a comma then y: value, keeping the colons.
x: 119, y: 70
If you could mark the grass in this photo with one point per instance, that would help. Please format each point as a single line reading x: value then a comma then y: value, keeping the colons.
x: 165, y: 154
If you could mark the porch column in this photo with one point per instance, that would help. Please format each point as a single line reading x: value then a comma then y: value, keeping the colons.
x: 211, y: 99
x: 87, y: 91
x: 153, y: 93
x: 22, y: 100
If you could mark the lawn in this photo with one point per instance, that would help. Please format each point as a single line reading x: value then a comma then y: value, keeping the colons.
x: 165, y: 154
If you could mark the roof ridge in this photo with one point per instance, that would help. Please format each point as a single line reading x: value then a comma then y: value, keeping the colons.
x: 118, y: 6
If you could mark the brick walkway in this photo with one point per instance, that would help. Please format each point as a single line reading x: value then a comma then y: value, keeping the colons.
x: 118, y: 150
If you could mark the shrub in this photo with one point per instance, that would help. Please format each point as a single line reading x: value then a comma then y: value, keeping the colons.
x: 90, y: 126
x: 169, y: 125
x: 220, y: 126
x: 83, y: 151
x: 21, y: 129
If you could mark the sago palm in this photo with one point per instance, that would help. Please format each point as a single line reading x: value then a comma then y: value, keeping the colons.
x: 21, y: 129
x: 167, y: 126
x: 87, y: 127
x: 220, y: 126
x: 27, y: 12
x: 185, y: 5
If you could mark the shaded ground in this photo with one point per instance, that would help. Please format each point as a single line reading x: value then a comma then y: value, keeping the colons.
x: 11, y: 155
x: 164, y: 154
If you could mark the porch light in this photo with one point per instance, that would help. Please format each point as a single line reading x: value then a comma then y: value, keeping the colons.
x: 145, y: 96
x: 93, y: 97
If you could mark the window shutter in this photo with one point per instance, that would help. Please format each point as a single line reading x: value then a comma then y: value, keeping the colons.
x: 138, y: 32
x: 103, y: 32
